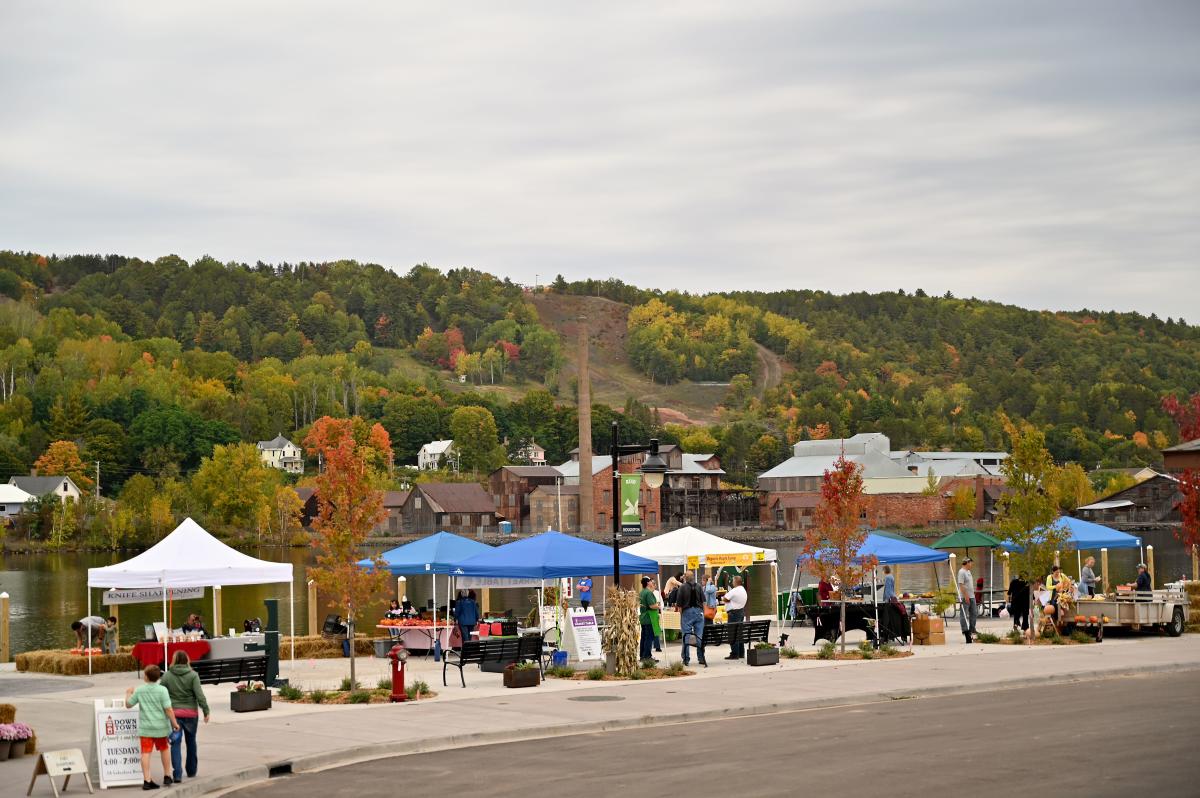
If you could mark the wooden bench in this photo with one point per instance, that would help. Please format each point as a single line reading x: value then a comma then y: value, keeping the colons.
x: 242, y: 669
x: 527, y: 648
x: 744, y: 632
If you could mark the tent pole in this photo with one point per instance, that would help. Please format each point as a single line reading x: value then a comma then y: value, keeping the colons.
x: 541, y: 603
x: 168, y: 631
x: 991, y: 580
x: 875, y: 598
x: 1079, y: 564
x: 89, y: 628
x: 292, y: 617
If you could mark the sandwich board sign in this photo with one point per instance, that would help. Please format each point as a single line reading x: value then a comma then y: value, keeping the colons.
x: 582, y: 639
x: 67, y: 762
x: 117, y: 748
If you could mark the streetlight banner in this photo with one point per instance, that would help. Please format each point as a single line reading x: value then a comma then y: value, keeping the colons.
x: 631, y: 486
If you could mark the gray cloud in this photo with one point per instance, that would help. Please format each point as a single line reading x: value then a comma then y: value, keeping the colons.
x: 1042, y: 154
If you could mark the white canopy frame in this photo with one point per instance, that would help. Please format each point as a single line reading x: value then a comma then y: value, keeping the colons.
x: 191, y: 557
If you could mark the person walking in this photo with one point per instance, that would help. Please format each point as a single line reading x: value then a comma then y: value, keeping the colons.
x: 735, y: 607
x: 690, y: 603
x: 156, y: 721
x: 188, y: 701
x: 966, y: 594
x: 646, y: 606
x: 1018, y: 601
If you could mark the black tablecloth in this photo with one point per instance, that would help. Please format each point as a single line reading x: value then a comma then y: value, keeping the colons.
x: 894, y: 623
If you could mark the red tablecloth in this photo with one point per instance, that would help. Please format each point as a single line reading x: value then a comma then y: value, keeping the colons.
x: 152, y: 653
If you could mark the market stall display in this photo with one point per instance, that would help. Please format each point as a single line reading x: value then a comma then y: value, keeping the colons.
x: 151, y: 653
x: 190, y: 557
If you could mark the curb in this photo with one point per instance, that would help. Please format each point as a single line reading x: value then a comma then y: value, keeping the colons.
x: 386, y: 750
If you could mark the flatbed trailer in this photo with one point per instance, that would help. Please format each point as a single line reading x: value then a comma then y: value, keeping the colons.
x: 1159, y: 609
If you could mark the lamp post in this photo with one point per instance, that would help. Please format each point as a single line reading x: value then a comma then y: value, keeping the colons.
x: 653, y: 468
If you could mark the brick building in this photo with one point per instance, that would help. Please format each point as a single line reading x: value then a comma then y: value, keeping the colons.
x: 510, y: 487
x: 544, y: 497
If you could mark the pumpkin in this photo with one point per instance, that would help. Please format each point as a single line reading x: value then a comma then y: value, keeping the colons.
x: 1094, y: 619
x: 1048, y: 609
x: 1080, y: 619
x: 1106, y: 619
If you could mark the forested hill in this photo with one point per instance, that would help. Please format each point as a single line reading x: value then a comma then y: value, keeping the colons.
x: 146, y: 365
x: 928, y: 371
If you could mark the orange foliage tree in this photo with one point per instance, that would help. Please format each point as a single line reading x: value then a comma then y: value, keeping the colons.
x: 349, y: 507
x: 62, y: 459
x: 831, y: 545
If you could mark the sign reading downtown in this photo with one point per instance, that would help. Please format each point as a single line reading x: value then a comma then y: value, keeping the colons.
x: 118, y: 749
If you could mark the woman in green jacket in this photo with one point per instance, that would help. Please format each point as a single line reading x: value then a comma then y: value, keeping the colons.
x: 187, y: 699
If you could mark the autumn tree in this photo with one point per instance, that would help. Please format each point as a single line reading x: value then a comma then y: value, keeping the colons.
x: 961, y: 504
x: 349, y: 508
x: 1026, y: 513
x: 1186, y: 415
x: 831, y: 545
x: 62, y: 459
x: 1071, y: 487
x: 284, y: 511
x: 235, y: 483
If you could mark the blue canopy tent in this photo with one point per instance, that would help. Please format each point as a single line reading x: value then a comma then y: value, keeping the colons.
x: 432, y: 555
x: 1088, y: 535
x: 550, y: 555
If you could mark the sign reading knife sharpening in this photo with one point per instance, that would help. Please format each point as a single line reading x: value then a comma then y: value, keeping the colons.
x: 631, y: 487
x: 147, y: 595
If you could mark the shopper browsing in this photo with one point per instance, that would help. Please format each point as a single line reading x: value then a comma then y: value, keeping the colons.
x: 156, y: 721
x: 735, y: 607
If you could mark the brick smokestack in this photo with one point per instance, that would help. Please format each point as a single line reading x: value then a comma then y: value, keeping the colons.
x: 587, y: 518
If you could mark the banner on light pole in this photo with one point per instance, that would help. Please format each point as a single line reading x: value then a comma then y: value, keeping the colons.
x: 631, y: 520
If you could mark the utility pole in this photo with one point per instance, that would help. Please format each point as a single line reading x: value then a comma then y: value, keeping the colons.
x: 97, y: 480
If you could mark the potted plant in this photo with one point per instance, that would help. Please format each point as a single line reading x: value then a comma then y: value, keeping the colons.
x: 22, y: 734
x: 7, y: 735
x: 250, y: 697
x: 522, y: 674
x: 763, y: 654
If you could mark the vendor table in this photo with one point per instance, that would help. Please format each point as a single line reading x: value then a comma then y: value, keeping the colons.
x: 894, y: 624
x: 149, y: 653
x: 419, y: 638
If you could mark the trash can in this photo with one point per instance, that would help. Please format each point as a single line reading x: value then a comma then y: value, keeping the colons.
x: 558, y: 659
x: 383, y: 647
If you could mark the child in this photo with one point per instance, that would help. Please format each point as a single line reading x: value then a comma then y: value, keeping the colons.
x: 156, y: 721
x: 110, y: 635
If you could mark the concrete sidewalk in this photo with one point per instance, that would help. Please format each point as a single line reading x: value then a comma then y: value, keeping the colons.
x: 240, y: 748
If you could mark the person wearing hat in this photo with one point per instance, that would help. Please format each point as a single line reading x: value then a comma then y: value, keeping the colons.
x: 966, y: 593
x: 1143, y: 584
x: 647, y: 606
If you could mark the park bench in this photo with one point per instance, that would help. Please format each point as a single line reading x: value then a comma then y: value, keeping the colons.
x: 744, y: 632
x: 498, y: 651
x: 241, y: 669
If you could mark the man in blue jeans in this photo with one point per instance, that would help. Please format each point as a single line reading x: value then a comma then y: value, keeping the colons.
x: 647, y: 604
x: 689, y: 600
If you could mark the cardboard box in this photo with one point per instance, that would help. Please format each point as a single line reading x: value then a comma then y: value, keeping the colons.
x: 932, y: 639
x: 925, y: 625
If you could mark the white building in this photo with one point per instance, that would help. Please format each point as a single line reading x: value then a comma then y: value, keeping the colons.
x: 531, y: 454
x: 62, y: 487
x: 12, y: 500
x: 430, y: 457
x: 282, y: 454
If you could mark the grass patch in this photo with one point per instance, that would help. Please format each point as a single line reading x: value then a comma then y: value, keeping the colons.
x: 888, y: 650
x: 318, y: 696
x: 827, y: 650
x: 348, y: 685
x: 384, y: 684
x: 674, y: 669
x: 358, y: 697
x: 638, y: 675
x: 866, y: 650
x: 561, y: 672
x: 787, y: 652
x: 422, y: 688
x: 595, y: 674
x: 986, y: 637
x: 289, y: 693
x: 1080, y: 636
x: 1015, y: 637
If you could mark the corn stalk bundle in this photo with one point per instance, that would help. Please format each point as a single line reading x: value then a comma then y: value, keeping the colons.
x: 622, y: 630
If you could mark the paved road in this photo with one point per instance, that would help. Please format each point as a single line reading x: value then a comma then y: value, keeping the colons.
x: 1119, y: 737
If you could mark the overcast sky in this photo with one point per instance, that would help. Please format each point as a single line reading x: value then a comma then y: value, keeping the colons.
x: 1045, y: 154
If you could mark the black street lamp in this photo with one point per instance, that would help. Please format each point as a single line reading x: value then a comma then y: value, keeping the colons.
x: 653, y: 468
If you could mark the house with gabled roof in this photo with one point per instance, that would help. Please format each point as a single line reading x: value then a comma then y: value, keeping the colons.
x: 281, y: 453
x: 61, y: 486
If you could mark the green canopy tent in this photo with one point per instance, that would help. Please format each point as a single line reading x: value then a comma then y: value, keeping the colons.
x: 966, y: 539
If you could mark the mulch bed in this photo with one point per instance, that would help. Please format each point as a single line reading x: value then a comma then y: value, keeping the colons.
x: 647, y: 675
x: 343, y: 697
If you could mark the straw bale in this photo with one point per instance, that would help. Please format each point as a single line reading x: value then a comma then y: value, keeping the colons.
x: 8, y: 713
x: 317, y: 647
x: 63, y: 663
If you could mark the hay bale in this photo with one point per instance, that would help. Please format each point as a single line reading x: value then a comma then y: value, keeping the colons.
x: 8, y: 713
x: 317, y: 647
x: 63, y: 663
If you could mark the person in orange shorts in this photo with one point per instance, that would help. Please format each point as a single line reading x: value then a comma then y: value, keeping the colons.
x: 156, y: 722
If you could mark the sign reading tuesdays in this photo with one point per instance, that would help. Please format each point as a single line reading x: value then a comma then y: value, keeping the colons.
x: 631, y: 520
x: 147, y: 595
x: 118, y: 748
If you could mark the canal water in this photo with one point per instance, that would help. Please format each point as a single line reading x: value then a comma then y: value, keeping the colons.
x: 49, y: 591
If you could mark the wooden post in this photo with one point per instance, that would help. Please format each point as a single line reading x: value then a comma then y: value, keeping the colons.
x: 1150, y: 564
x: 400, y: 580
x: 485, y: 605
x: 1005, y: 565
x: 218, y: 614
x: 1104, y: 570
x: 953, y: 562
x: 313, y: 629
x: 896, y: 575
x: 4, y: 644
x: 116, y: 613
x: 1196, y: 563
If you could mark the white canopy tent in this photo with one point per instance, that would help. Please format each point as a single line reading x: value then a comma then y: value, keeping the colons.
x: 191, y: 557
x: 674, y: 548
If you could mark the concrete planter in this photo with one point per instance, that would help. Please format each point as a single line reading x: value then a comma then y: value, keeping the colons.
x: 255, y: 701
x: 762, y: 656
x: 5, y: 749
x: 522, y: 677
x: 18, y: 749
